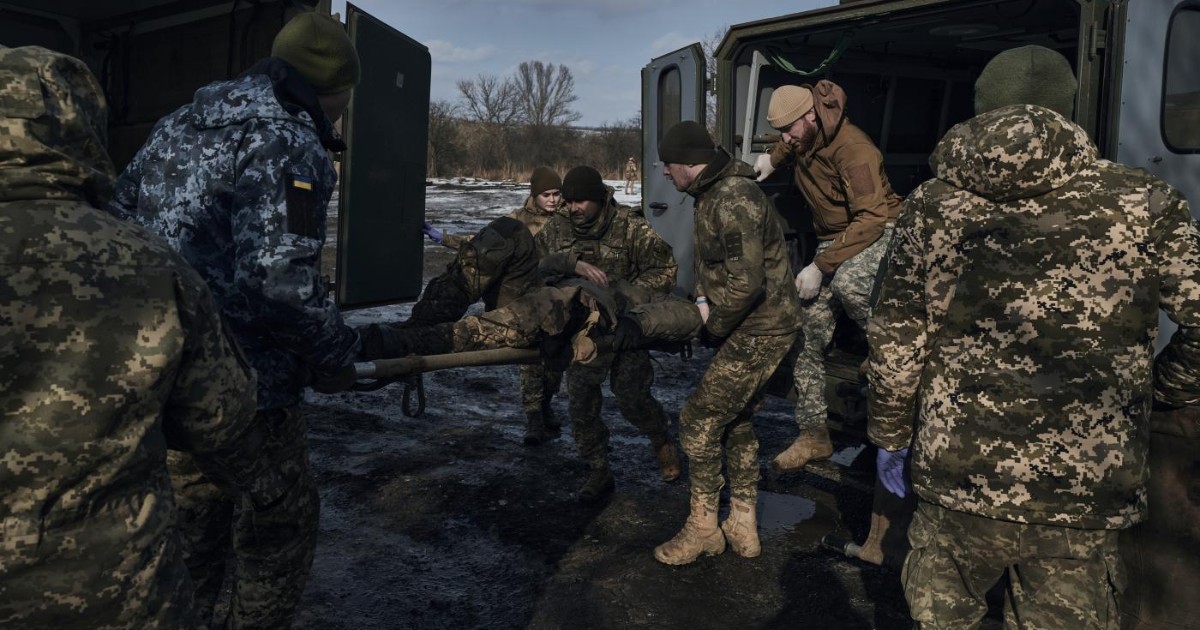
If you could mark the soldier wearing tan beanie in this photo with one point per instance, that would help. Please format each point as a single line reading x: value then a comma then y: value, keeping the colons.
x: 840, y: 172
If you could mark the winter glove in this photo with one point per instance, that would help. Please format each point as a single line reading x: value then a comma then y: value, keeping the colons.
x: 627, y: 335
x: 709, y: 340
x: 762, y: 164
x: 890, y: 467
x: 338, y: 380
x: 808, y: 282
x: 433, y: 233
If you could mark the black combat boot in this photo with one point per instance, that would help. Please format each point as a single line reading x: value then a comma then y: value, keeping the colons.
x: 385, y: 341
x: 599, y: 484
x: 535, y: 428
x: 550, y: 421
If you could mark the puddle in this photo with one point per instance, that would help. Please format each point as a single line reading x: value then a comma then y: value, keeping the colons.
x: 780, y: 513
x: 846, y: 456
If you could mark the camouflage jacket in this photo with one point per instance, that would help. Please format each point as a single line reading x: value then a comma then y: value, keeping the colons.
x: 238, y: 182
x: 111, y: 351
x: 844, y: 182
x: 620, y: 242
x: 1015, y: 326
x: 741, y: 260
x: 529, y: 214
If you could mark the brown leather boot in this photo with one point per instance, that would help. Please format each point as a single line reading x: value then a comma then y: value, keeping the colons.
x: 741, y: 528
x: 810, y: 446
x: 668, y: 461
x: 535, y: 428
x: 699, y: 535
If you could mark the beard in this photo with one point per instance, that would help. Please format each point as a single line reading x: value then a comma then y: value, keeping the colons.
x: 804, y: 143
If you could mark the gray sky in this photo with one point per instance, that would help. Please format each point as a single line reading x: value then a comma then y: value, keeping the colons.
x: 605, y: 43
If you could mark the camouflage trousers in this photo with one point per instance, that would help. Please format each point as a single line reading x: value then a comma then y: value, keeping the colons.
x: 271, y: 545
x: 1059, y: 577
x: 717, y: 415
x: 849, y: 290
x: 497, y: 266
x: 538, y: 386
x: 523, y: 323
x: 630, y: 375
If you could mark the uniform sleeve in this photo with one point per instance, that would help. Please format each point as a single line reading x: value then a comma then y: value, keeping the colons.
x: 455, y: 241
x: 897, y: 334
x: 210, y: 410
x: 655, y: 264
x: 741, y: 231
x: 124, y: 202
x: 1177, y: 369
x: 278, y: 226
x: 863, y: 177
x: 780, y: 153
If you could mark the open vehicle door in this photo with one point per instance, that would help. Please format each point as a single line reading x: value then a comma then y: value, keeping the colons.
x: 672, y: 91
x: 382, y: 201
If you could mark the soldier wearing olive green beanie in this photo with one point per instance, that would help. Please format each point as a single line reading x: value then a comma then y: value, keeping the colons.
x: 1029, y: 75
x: 318, y: 47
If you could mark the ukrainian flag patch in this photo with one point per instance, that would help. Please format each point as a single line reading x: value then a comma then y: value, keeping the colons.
x: 301, y: 182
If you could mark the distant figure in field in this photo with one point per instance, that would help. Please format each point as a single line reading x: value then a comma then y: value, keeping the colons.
x: 631, y: 173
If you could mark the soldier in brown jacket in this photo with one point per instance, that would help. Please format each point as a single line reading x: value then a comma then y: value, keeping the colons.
x: 840, y: 172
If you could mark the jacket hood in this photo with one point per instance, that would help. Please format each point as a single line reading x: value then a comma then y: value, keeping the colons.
x: 721, y: 166
x: 52, y: 129
x: 829, y: 99
x: 1014, y: 152
x: 269, y: 89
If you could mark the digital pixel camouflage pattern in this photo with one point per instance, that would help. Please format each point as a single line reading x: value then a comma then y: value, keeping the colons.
x: 742, y: 268
x: 849, y: 290
x: 113, y: 351
x: 529, y: 214
x: 1014, y: 333
x: 238, y: 182
x: 621, y: 243
x: 1053, y: 572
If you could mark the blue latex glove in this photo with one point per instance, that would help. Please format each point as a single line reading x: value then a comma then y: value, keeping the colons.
x: 890, y: 467
x: 433, y: 233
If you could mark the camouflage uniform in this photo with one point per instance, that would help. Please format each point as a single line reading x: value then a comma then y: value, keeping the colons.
x: 238, y: 182
x: 621, y: 243
x: 114, y: 351
x: 742, y: 268
x: 853, y: 207
x: 496, y: 265
x: 631, y: 173
x: 1016, y: 325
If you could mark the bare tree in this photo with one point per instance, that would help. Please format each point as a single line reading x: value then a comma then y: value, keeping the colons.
x: 545, y: 93
x: 444, y: 150
x: 489, y: 99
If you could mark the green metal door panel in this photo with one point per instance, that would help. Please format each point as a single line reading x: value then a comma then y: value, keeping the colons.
x: 382, y: 201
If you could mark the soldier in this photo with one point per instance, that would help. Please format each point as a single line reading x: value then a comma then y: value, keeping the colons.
x: 840, y: 173
x: 751, y: 316
x: 1012, y: 347
x: 113, y: 351
x: 498, y: 265
x: 631, y: 173
x: 601, y: 241
x: 238, y: 182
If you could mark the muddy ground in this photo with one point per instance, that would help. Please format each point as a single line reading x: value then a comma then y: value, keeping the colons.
x: 449, y: 521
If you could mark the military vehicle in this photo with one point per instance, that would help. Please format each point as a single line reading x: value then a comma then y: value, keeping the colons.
x: 151, y: 55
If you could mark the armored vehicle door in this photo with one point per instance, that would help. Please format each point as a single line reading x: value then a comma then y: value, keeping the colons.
x: 672, y: 91
x: 382, y: 200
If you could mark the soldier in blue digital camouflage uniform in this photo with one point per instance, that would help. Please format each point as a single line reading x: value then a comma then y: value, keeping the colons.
x: 238, y: 182
x: 1012, y: 349
x: 113, y: 350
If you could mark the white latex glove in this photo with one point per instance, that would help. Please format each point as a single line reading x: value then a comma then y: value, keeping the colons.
x: 762, y: 164
x: 703, y: 311
x: 808, y: 282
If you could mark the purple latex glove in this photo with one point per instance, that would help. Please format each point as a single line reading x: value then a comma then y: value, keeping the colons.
x: 433, y: 233
x: 890, y: 467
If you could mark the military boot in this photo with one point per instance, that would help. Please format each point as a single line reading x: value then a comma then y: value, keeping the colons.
x: 551, y: 422
x: 535, y: 428
x: 668, y: 461
x: 599, y: 484
x: 698, y: 536
x: 386, y: 341
x: 810, y: 446
x: 741, y: 528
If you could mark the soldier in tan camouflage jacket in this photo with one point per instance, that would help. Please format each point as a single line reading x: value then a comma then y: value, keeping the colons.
x: 1012, y: 346
x: 113, y: 350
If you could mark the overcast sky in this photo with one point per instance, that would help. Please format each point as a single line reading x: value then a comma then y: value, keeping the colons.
x: 605, y: 43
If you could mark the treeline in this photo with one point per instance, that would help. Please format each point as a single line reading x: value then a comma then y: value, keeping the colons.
x: 501, y: 128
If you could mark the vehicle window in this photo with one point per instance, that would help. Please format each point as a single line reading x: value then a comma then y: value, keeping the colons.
x: 1181, y: 86
x: 670, y: 100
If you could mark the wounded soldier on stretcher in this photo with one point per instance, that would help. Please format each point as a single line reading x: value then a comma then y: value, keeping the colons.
x: 572, y: 321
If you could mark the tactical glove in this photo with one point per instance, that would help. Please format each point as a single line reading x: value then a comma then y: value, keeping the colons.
x: 433, y: 233
x: 889, y: 465
x: 338, y: 380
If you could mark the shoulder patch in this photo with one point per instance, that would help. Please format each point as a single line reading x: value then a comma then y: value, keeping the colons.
x: 302, y: 204
x: 733, y: 246
x: 860, y: 181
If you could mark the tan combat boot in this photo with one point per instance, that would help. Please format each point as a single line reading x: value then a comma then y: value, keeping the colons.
x: 810, y: 446
x: 698, y: 536
x: 741, y: 529
x: 668, y: 461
